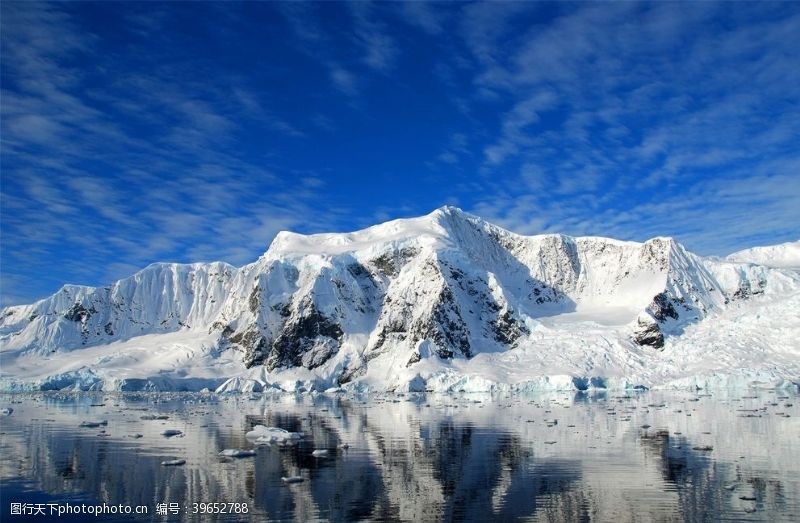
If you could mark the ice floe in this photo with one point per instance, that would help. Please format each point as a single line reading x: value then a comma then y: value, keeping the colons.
x: 263, y: 435
x: 237, y: 453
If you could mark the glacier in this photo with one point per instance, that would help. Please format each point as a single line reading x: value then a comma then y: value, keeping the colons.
x: 444, y: 302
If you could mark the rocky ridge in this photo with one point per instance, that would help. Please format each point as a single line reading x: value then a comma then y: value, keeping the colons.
x: 447, y: 285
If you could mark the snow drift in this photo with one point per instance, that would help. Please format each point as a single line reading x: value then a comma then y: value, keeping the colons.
x: 786, y: 255
x: 442, y: 302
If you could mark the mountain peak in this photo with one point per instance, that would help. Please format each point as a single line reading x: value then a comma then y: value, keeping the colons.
x: 435, y: 229
x: 428, y: 229
x: 350, y: 307
x: 452, y: 213
x: 449, y: 210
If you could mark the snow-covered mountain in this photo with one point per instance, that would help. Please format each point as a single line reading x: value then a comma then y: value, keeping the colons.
x: 786, y: 255
x: 446, y: 301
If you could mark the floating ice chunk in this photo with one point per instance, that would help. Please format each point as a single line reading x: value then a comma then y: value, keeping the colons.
x: 293, y: 479
x: 171, y: 432
x: 320, y: 453
x: 237, y: 453
x: 239, y: 384
x: 262, y: 435
x: 6, y: 411
x: 173, y: 462
x: 135, y: 436
x: 94, y: 423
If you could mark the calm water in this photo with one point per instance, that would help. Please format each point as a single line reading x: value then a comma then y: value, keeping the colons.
x: 558, y: 457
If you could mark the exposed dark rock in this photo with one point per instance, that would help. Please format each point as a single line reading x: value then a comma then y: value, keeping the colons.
x: 746, y: 289
x: 393, y: 329
x: 456, y: 273
x: 390, y: 263
x: 657, y: 253
x: 254, y: 300
x: 350, y: 373
x: 385, y: 264
x: 78, y: 313
x: 507, y: 329
x: 662, y: 307
x: 283, y: 309
x: 252, y: 342
x: 219, y: 326
x: 357, y: 270
x: 445, y: 327
x: 366, y: 291
x: 308, y: 339
x: 743, y: 292
x: 415, y: 358
x: 108, y: 329
x: 648, y: 333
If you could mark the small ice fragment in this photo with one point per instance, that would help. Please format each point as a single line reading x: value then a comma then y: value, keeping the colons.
x: 173, y: 462
x: 237, y: 453
x: 171, y: 432
x: 268, y: 435
x: 293, y: 479
x: 6, y: 411
x: 320, y: 453
x: 730, y: 487
x: 94, y: 423
x: 135, y: 436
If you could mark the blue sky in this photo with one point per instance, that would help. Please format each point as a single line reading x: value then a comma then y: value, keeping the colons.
x: 142, y: 132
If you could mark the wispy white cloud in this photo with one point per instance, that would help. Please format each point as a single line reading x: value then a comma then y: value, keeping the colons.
x: 457, y: 148
x: 344, y: 80
x: 426, y: 15
x: 81, y: 176
x: 620, y: 119
x: 516, y: 133
x: 651, y: 121
x: 379, y: 48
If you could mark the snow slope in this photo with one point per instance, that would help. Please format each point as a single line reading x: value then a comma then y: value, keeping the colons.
x: 785, y: 255
x: 442, y: 302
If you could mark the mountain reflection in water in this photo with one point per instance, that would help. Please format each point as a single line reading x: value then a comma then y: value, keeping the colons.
x: 554, y: 457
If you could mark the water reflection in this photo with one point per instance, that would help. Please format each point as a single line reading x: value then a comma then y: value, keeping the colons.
x: 437, y: 458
